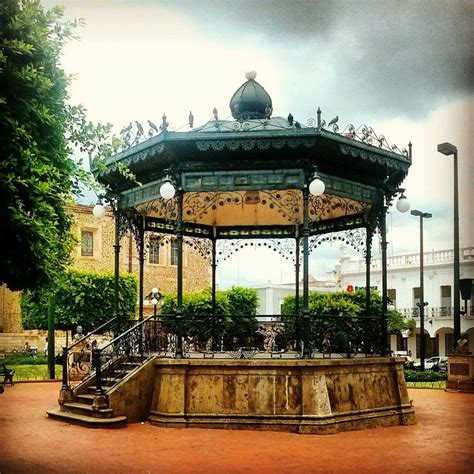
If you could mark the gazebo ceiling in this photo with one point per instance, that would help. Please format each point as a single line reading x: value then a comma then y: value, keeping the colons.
x: 252, y: 208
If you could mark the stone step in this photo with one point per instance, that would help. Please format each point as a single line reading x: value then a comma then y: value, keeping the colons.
x: 131, y: 363
x: 89, y: 421
x: 83, y: 409
x: 86, y: 398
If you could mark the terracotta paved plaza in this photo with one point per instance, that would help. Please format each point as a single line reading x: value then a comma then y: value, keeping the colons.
x: 442, y: 441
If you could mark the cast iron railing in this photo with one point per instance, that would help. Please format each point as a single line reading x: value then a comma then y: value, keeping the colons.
x: 134, y: 346
x: 242, y: 337
x: 77, y: 358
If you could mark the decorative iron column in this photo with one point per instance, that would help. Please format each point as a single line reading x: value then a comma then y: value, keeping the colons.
x: 141, y: 262
x: 383, y: 233
x: 116, y: 259
x: 306, y: 318
x: 368, y: 258
x: 179, y: 283
x: 214, y: 268
x: 213, y: 290
x: 297, y: 289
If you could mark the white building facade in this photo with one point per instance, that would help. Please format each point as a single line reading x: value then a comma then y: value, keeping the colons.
x: 403, y: 278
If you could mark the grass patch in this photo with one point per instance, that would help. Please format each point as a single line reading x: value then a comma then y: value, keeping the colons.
x: 34, y: 372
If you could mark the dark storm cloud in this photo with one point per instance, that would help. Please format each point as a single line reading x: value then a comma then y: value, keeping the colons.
x: 410, y: 56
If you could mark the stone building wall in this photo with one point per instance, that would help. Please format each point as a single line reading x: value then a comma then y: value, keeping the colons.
x: 10, y: 320
x: 196, y: 273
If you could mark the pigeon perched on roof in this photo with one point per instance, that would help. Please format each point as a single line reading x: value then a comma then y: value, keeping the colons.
x: 126, y: 129
x: 140, y: 130
x: 152, y: 126
x: 333, y: 121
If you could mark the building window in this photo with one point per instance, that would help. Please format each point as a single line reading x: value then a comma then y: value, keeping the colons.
x: 446, y: 296
x: 154, y: 251
x: 392, y: 296
x: 174, y: 252
x: 416, y: 296
x: 87, y: 243
x: 402, y: 343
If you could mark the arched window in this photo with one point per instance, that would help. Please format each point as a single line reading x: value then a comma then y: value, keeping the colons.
x: 154, y: 250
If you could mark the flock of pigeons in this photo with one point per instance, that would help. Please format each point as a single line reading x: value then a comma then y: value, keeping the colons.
x: 128, y: 138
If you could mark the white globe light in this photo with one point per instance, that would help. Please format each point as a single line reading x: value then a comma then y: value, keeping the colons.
x: 167, y: 190
x: 403, y: 204
x: 317, y: 187
x: 154, y: 290
x: 154, y: 301
x: 99, y: 211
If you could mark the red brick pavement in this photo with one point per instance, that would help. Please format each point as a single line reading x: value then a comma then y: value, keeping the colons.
x: 442, y: 441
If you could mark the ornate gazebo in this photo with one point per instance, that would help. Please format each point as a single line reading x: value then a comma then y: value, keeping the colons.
x: 289, y: 185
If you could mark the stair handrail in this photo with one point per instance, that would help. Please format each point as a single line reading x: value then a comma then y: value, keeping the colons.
x: 127, y: 332
x: 95, y: 331
x: 67, y: 350
x: 114, y: 343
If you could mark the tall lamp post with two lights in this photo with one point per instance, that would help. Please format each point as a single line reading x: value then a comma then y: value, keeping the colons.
x: 422, y: 303
x: 449, y: 149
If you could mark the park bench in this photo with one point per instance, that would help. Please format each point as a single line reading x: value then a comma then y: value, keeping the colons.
x: 7, y: 374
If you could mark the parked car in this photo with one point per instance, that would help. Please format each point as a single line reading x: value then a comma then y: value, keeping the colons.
x: 438, y: 364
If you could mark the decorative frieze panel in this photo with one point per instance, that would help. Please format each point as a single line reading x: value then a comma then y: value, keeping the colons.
x: 245, y: 180
x: 350, y: 189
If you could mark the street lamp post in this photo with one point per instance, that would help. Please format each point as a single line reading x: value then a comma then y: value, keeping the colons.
x: 422, y: 303
x: 156, y: 296
x: 449, y: 149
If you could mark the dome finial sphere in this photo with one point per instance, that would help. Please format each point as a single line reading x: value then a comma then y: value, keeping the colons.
x: 250, y: 75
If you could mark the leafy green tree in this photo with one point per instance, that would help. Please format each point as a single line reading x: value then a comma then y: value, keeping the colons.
x: 80, y: 298
x: 243, y: 304
x: 37, y: 132
x: 35, y: 172
x: 346, y: 332
x: 235, y: 315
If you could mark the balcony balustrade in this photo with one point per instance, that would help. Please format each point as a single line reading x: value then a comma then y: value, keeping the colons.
x: 440, y: 312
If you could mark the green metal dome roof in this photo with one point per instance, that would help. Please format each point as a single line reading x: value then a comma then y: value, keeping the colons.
x: 251, y: 100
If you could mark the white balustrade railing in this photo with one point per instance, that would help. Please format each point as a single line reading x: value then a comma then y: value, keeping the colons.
x: 439, y: 312
x: 410, y: 260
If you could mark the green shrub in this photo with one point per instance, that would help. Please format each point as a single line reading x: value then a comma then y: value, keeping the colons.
x: 80, y: 298
x: 424, y: 376
x: 22, y: 359
x: 235, y: 314
x: 346, y: 335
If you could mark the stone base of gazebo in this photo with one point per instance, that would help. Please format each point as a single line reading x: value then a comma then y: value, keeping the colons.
x: 303, y: 396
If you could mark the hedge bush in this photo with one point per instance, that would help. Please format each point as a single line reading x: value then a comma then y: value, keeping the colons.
x: 346, y: 335
x: 343, y: 303
x: 235, y: 313
x: 424, y: 376
x: 22, y: 359
x: 80, y: 298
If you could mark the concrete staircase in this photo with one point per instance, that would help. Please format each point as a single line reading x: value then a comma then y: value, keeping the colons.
x: 86, y: 408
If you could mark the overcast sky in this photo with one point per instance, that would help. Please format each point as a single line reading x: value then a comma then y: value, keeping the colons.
x: 403, y: 67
